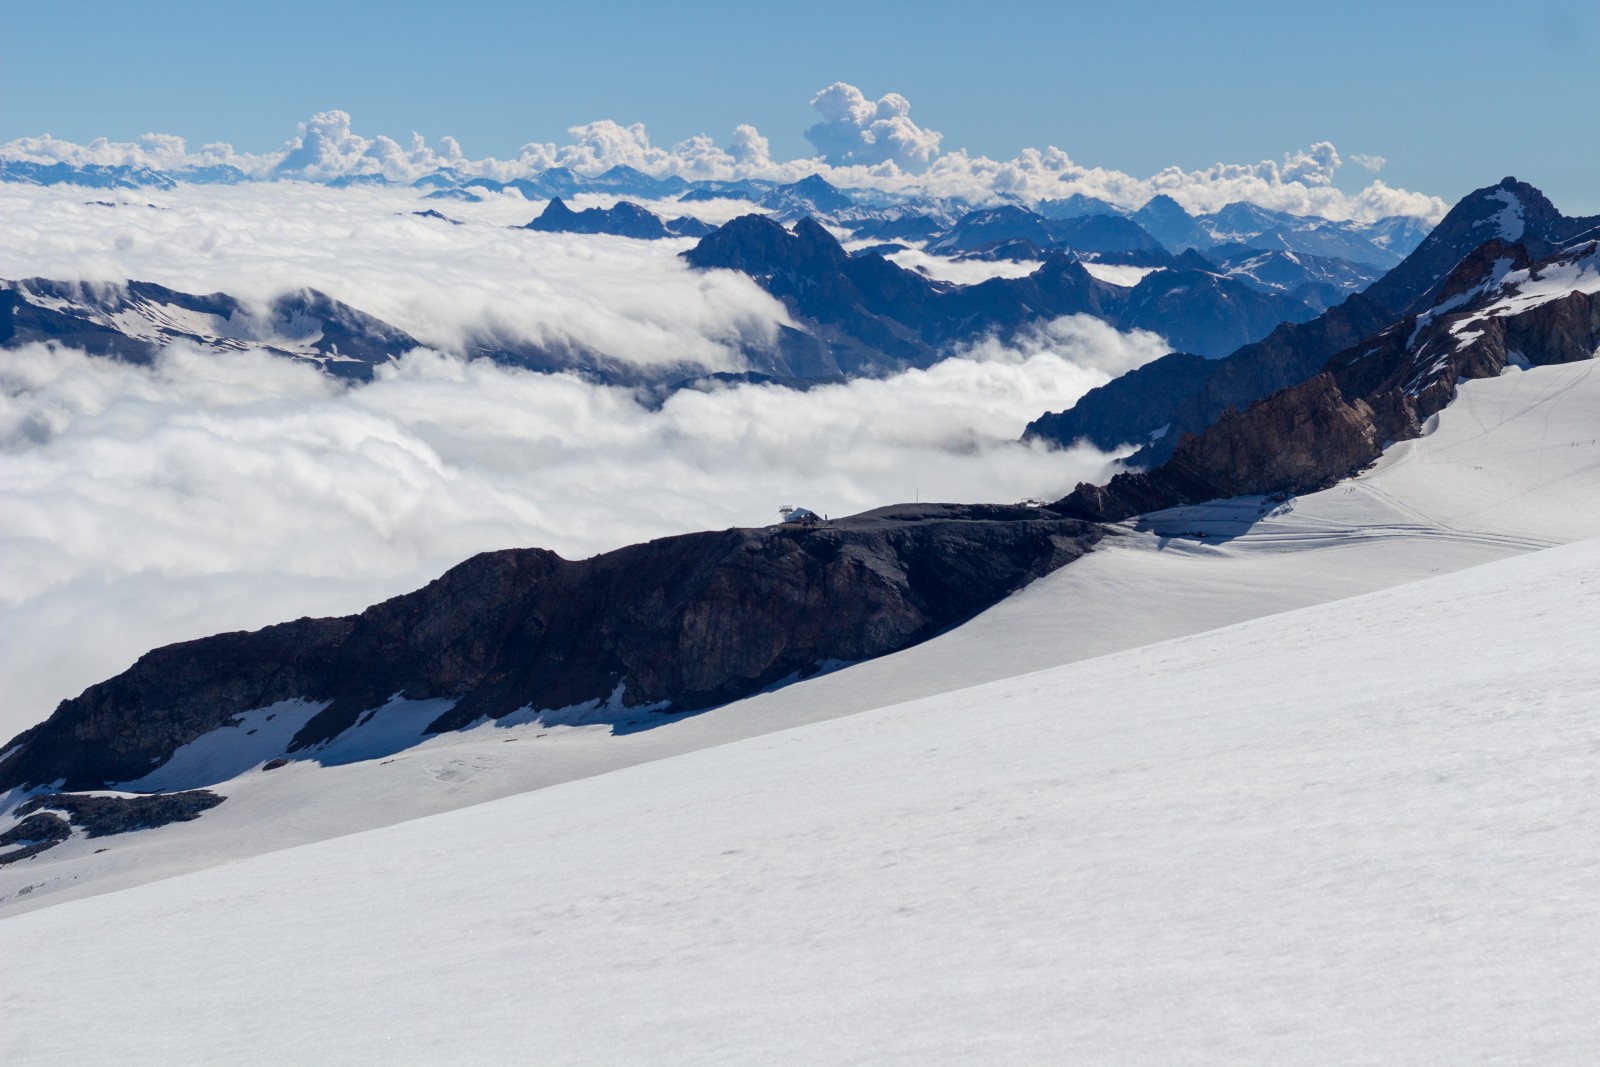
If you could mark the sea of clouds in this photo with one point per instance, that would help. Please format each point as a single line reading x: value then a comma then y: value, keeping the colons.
x: 207, y: 492
x: 450, y: 286
x: 860, y: 142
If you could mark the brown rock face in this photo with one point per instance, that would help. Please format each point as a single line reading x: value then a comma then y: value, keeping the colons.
x: 1188, y: 399
x: 1490, y: 310
x: 1298, y: 439
x: 684, y: 622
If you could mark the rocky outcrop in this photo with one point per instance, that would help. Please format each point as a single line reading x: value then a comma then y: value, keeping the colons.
x: 48, y: 819
x: 1495, y: 307
x: 34, y: 834
x: 678, y: 624
x: 1512, y: 211
x: 1299, y: 439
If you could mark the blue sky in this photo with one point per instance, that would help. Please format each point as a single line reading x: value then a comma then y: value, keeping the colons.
x: 1454, y: 95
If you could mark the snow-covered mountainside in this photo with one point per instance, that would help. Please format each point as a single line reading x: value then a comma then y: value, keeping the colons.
x: 133, y: 321
x: 1511, y: 467
x: 1275, y: 841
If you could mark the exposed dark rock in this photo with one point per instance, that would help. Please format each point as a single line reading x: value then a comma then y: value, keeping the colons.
x: 432, y: 214
x: 306, y: 325
x: 33, y: 835
x: 1534, y: 222
x: 1015, y: 250
x: 43, y: 827
x: 1295, y: 351
x: 694, y: 196
x: 897, y: 228
x: 1489, y: 310
x: 1274, y: 270
x: 104, y: 816
x: 1297, y: 440
x: 1104, y: 233
x: 630, y: 181
x: 687, y: 622
x: 1259, y: 227
x: 1464, y: 336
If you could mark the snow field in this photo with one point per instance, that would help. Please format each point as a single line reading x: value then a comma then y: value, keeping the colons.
x: 1359, y: 832
x: 1499, y: 467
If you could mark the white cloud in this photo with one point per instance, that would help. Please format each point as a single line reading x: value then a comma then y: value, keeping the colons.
x: 863, y: 143
x: 1082, y: 340
x: 140, y: 506
x: 1372, y: 163
x: 449, y: 286
x: 855, y: 130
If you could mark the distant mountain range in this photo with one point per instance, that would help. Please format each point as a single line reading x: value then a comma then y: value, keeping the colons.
x: 855, y: 314
x: 1161, y: 222
x: 1504, y: 279
x: 624, y: 219
x: 1212, y: 283
x: 863, y: 314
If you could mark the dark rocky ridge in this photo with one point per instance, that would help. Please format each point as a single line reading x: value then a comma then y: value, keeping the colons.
x: 1372, y: 393
x: 688, y: 622
x: 1294, y: 352
x: 1297, y: 440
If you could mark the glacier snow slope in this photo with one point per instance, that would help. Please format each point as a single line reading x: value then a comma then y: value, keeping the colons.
x: 1507, y: 469
x: 1360, y: 832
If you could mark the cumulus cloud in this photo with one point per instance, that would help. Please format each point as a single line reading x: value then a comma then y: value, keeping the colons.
x: 855, y: 130
x: 1365, y: 162
x: 863, y: 143
x: 140, y: 506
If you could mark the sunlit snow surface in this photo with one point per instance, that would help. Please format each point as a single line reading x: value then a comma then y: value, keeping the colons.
x: 1513, y: 465
x: 1359, y: 832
